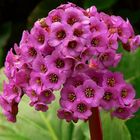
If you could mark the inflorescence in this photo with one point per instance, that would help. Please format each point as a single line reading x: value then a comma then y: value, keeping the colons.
x: 71, y: 50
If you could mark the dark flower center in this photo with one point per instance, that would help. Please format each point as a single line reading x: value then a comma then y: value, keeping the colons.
x: 56, y: 18
x: 89, y: 92
x: 120, y: 31
x: 71, y: 96
x: 47, y: 93
x: 107, y: 96
x: 53, y: 78
x: 71, y: 20
x: 61, y: 34
x: 81, y: 107
x: 120, y: 110
x: 15, y: 89
x: 93, y: 28
x: 32, y: 52
x: 111, y: 82
x: 124, y: 93
x: 60, y: 63
x: 104, y: 57
x: 38, y: 81
x: 95, y: 42
x: 33, y: 93
x: 95, y: 79
x: 78, y: 32
x: 72, y: 44
x: 43, y: 68
x: 78, y: 83
x: 41, y: 39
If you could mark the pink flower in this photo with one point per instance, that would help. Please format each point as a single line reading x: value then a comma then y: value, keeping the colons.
x: 59, y: 34
x: 111, y: 79
x: 109, y: 99
x: 126, y: 94
x: 81, y: 109
x: 90, y: 92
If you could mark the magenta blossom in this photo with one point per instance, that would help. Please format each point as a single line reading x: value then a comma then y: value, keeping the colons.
x: 71, y: 50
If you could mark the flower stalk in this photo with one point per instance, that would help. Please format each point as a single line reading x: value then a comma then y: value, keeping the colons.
x: 95, y: 125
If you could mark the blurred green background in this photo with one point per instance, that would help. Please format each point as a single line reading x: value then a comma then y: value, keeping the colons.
x: 18, y: 15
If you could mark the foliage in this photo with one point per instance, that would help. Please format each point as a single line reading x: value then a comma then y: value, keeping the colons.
x: 33, y: 125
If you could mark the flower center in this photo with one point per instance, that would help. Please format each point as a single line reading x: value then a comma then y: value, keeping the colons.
x: 78, y: 83
x: 95, y: 79
x: 120, y: 110
x: 119, y: 31
x: 104, y: 57
x: 71, y: 20
x: 32, y: 52
x: 78, y: 32
x: 48, y: 93
x: 93, y: 28
x: 112, y: 30
x: 38, y: 81
x: 81, y: 107
x: 15, y: 89
x: 61, y: 34
x: 60, y: 63
x: 53, y: 78
x: 72, y: 44
x: 111, y: 82
x: 89, y: 92
x: 124, y: 93
x: 107, y: 96
x: 43, y: 68
x: 95, y: 42
x: 41, y: 39
x: 33, y: 93
x: 43, y: 24
x: 56, y: 18
x: 71, y: 96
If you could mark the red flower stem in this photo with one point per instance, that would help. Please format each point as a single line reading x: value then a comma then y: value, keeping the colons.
x: 95, y: 125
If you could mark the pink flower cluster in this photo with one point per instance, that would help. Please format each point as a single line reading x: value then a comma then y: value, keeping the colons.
x: 71, y: 50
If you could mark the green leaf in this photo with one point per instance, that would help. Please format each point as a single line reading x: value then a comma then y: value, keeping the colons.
x: 2, y: 78
x: 100, y: 4
x: 114, y: 129
x: 134, y: 127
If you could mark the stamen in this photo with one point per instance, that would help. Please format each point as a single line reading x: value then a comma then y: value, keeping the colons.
x: 60, y: 63
x: 81, y: 107
x: 32, y: 52
x: 56, y: 18
x: 53, y: 78
x: 124, y: 93
x: 43, y: 68
x: 72, y: 44
x: 38, y: 81
x: 107, y: 96
x: 111, y: 82
x: 48, y: 93
x: 61, y: 34
x: 95, y: 42
x: 41, y: 39
x: 78, y: 32
x: 71, y: 20
x: 89, y: 92
x: 71, y: 97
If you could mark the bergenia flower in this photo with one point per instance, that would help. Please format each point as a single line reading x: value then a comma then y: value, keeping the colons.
x: 71, y: 50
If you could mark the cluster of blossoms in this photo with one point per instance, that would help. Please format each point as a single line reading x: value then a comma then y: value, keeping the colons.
x: 71, y: 50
